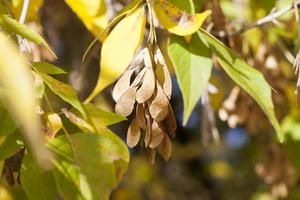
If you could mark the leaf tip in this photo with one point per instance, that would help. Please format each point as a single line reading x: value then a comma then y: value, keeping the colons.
x: 186, y: 117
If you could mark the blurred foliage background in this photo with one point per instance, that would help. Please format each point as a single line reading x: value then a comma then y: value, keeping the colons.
x: 236, y: 157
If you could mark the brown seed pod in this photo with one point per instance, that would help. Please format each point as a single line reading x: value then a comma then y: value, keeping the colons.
x: 151, y: 153
x: 166, y: 148
x: 125, y: 104
x: 140, y: 116
x: 133, y: 134
x: 148, y: 128
x: 139, y: 78
x: 147, y: 88
x: 158, y: 134
x: 153, y: 114
x: 170, y: 122
x: 167, y: 86
x: 159, y: 106
x: 122, y: 85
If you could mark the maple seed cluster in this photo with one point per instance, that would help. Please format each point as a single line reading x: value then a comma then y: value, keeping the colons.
x: 153, y: 113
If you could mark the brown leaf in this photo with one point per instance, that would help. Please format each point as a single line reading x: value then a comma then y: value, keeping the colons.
x: 147, y: 89
x: 158, y: 134
x: 133, y: 134
x: 159, y: 106
x: 167, y: 86
x: 122, y: 85
x: 140, y: 116
x: 126, y: 103
x: 166, y: 148
x: 151, y: 155
x: 148, y: 128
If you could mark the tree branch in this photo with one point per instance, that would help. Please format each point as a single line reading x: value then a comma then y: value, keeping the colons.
x: 262, y: 21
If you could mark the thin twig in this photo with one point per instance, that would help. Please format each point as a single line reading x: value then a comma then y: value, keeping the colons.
x: 152, y: 34
x: 209, y: 128
x: 22, y: 20
x: 272, y: 17
x: 24, y: 11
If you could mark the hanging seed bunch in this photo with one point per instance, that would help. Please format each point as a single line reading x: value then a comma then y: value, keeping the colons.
x: 154, y: 122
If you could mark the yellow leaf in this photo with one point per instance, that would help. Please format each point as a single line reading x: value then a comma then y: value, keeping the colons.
x: 119, y: 48
x: 92, y: 13
x: 54, y: 124
x: 18, y: 95
x: 4, y: 190
x: 177, y: 21
x: 122, y: 13
x: 126, y: 10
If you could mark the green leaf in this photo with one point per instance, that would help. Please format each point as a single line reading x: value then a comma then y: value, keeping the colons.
x: 47, y: 68
x: 10, y: 145
x: 64, y: 91
x: 250, y: 79
x: 7, y: 124
x: 99, y: 116
x: 190, y: 6
x: 291, y: 126
x: 39, y: 85
x: 97, y: 166
x: 3, y: 9
x: 37, y: 183
x: 186, y: 5
x: 12, y: 26
x: 193, y: 65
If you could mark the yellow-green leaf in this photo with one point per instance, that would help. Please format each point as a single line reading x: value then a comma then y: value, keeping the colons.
x: 7, y: 124
x: 12, y: 26
x: 90, y: 166
x: 11, y: 144
x: 177, y: 21
x: 47, y: 68
x: 102, y: 117
x: 119, y: 48
x: 193, y: 65
x: 38, y: 184
x: 92, y: 13
x: 18, y: 96
x: 250, y: 79
x: 64, y: 91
